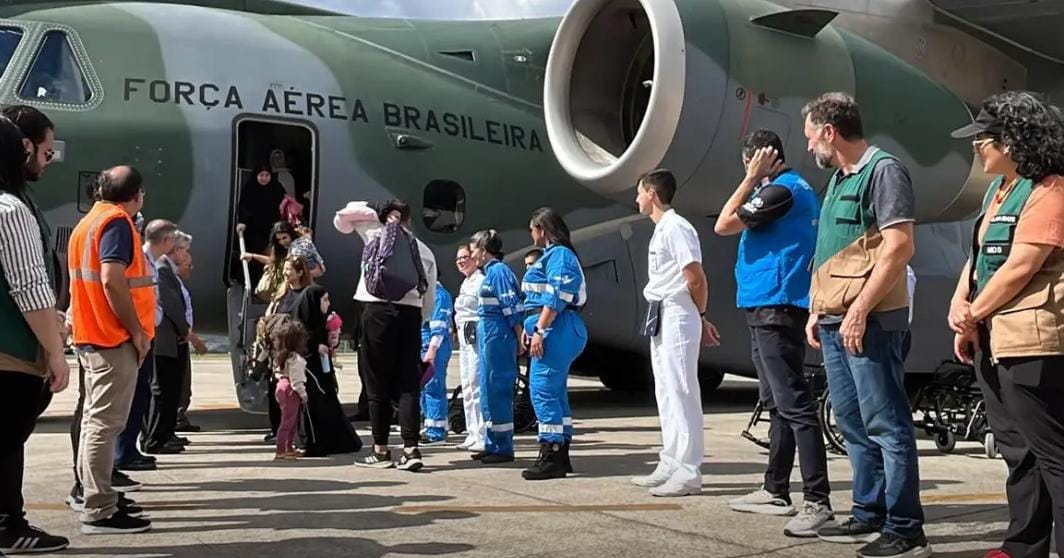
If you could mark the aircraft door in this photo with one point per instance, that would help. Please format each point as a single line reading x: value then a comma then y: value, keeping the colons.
x: 287, y: 150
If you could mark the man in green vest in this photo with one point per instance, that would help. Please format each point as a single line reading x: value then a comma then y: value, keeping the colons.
x: 859, y: 314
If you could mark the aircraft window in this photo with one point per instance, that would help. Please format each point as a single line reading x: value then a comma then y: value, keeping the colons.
x: 443, y: 207
x: 55, y: 75
x: 9, y: 39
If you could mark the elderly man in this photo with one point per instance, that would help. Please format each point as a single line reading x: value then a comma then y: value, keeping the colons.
x: 171, y: 352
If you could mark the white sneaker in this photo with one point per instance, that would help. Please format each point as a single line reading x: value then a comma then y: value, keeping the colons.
x: 464, y: 445
x: 651, y: 480
x: 674, y: 489
x: 812, y: 516
x: 477, y: 448
x: 763, y: 502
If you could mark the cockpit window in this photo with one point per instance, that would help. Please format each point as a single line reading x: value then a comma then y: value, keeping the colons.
x: 9, y: 39
x: 55, y: 75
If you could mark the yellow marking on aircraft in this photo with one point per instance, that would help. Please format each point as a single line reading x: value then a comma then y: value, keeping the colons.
x: 557, y: 508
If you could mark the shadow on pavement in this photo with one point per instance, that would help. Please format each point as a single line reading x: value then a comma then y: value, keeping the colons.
x: 318, y: 547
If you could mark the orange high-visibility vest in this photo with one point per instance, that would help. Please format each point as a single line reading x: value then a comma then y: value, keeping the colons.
x: 94, y: 323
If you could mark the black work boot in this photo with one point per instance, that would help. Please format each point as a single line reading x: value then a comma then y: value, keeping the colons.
x: 565, y: 457
x: 550, y: 465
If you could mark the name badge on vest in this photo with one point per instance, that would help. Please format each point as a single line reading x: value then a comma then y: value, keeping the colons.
x: 996, y: 249
x: 652, y: 322
x: 1009, y: 219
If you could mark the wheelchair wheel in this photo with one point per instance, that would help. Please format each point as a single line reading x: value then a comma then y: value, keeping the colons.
x: 990, y: 445
x: 829, y: 427
x: 524, y: 413
x: 945, y: 441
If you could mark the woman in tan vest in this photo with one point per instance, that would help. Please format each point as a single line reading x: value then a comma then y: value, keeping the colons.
x: 1009, y: 307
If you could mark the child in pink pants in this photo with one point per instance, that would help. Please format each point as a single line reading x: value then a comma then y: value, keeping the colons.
x: 289, y: 340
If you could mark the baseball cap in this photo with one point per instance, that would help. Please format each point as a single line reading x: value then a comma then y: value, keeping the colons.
x: 985, y: 123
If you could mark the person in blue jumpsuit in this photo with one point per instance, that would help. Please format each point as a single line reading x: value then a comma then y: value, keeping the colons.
x: 498, y: 331
x: 555, y: 335
x: 436, y: 349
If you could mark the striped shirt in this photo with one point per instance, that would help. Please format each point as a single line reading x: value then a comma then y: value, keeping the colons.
x: 22, y: 256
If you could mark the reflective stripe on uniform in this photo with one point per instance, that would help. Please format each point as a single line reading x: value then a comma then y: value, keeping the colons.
x: 437, y: 323
x: 489, y: 301
x: 567, y: 421
x: 93, y: 277
x: 505, y: 427
x: 551, y: 428
x: 566, y: 297
x: 537, y: 288
x: 435, y: 423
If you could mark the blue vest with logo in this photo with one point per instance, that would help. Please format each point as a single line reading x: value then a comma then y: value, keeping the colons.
x: 773, y: 264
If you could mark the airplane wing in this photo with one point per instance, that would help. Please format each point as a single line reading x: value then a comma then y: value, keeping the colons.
x: 1033, y: 25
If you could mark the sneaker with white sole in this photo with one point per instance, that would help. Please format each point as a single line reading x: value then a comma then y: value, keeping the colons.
x: 848, y: 532
x: 894, y: 546
x: 121, y: 482
x: 763, y: 502
x: 464, y: 445
x: 376, y: 460
x: 117, y: 524
x: 810, y: 518
x: 673, y: 489
x: 410, y: 460
x: 77, y: 504
x: 21, y: 538
x: 651, y: 480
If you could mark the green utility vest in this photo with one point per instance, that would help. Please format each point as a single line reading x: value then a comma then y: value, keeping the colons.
x: 995, y: 246
x: 16, y: 337
x: 848, y: 245
x: 1032, y: 323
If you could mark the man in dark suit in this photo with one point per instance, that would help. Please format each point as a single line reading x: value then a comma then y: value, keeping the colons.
x: 171, y: 357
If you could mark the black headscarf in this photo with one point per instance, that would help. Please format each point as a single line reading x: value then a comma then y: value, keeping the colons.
x: 309, y: 313
x: 260, y: 207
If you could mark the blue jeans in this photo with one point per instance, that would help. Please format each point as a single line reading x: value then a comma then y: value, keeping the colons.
x: 873, y: 413
x: 126, y: 444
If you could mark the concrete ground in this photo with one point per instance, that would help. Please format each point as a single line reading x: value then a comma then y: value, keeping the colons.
x: 225, y: 497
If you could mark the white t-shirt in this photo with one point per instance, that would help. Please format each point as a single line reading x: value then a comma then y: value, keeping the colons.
x: 412, y: 298
x: 673, y: 246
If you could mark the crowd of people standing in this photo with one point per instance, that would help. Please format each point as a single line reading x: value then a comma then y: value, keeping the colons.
x: 831, y: 274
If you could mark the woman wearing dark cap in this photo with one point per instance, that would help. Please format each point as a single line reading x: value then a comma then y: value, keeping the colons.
x: 1009, y: 308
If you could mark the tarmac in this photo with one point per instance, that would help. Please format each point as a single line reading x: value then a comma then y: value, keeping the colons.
x: 226, y: 497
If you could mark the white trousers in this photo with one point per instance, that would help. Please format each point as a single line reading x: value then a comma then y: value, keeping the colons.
x: 469, y: 365
x: 674, y: 357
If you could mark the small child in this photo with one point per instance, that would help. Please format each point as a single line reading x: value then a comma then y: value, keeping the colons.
x: 288, y: 340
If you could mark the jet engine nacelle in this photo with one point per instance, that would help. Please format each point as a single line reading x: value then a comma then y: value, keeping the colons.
x: 632, y: 85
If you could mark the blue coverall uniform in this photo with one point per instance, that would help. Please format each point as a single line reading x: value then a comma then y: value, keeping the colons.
x: 437, y: 331
x: 500, y: 312
x: 555, y: 281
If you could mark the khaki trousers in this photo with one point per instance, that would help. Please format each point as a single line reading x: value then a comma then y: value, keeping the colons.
x: 110, y: 380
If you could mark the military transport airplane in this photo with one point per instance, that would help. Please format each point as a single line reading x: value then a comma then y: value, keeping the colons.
x: 477, y: 123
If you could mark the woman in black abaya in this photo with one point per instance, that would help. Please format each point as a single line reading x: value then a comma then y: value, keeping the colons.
x: 325, y: 425
x: 258, y: 209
